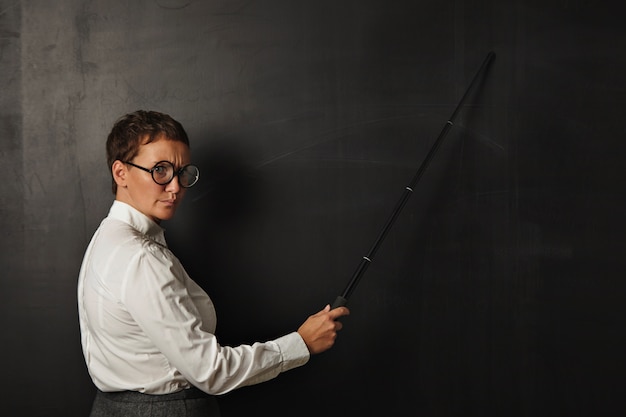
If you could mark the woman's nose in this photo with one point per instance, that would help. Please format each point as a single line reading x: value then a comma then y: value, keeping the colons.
x: 173, y: 186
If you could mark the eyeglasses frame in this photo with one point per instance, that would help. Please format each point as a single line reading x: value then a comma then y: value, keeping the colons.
x: 176, y: 173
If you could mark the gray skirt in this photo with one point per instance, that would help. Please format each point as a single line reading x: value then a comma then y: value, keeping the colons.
x: 186, y: 403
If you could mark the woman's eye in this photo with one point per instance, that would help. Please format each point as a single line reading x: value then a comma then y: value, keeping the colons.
x: 160, y: 170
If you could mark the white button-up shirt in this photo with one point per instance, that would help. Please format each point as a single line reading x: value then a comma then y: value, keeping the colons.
x: 147, y: 326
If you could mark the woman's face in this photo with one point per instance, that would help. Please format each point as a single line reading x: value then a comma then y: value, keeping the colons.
x: 137, y: 188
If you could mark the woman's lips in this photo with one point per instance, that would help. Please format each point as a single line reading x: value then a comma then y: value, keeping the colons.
x: 168, y: 202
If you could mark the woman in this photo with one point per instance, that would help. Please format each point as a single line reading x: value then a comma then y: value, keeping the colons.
x: 147, y: 329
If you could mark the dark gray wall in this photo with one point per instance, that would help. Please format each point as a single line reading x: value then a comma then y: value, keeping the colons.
x: 499, y: 290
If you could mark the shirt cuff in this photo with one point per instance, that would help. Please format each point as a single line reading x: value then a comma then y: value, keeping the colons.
x: 293, y: 351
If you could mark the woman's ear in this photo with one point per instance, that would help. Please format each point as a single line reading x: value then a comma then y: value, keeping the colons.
x: 119, y: 171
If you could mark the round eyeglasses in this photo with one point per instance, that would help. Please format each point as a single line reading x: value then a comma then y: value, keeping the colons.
x: 164, y: 172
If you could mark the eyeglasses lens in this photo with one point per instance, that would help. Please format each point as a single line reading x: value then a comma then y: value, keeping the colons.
x: 163, y: 173
x: 188, y: 176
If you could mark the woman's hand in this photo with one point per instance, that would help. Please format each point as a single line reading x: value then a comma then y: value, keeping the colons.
x: 319, y: 331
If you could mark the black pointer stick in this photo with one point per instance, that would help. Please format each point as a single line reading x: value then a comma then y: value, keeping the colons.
x: 342, y: 299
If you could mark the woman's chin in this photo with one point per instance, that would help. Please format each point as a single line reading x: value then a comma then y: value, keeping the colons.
x: 165, y: 214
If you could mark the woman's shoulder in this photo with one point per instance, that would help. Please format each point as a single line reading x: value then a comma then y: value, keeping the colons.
x: 120, y: 233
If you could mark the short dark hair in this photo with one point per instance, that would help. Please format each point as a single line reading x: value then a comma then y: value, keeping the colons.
x: 138, y: 128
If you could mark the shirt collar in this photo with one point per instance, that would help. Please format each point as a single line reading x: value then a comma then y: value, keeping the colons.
x: 139, y: 221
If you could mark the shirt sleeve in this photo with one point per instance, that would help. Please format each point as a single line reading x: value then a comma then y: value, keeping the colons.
x: 156, y: 294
